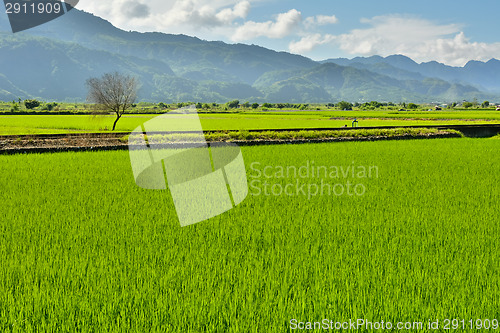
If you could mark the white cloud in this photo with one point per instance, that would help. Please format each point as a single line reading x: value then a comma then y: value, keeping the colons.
x: 193, y: 13
x: 228, y: 15
x: 392, y: 34
x: 133, y: 9
x: 310, y: 42
x: 459, y: 50
x: 420, y: 39
x: 283, y: 26
x: 175, y: 16
x: 324, y: 20
x: 312, y: 21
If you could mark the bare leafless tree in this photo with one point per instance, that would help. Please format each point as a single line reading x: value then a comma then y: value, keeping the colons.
x: 113, y: 92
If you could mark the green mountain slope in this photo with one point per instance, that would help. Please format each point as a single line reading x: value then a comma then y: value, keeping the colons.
x: 483, y: 75
x: 53, y: 61
x: 55, y: 70
x: 8, y: 91
x: 353, y: 84
x: 184, y: 54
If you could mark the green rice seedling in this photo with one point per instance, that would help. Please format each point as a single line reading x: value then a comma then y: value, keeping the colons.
x: 413, y: 238
x: 40, y: 124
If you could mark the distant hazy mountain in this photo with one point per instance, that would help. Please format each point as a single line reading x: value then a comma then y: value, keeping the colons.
x: 355, y: 84
x: 187, y: 56
x: 483, y: 75
x: 53, y: 61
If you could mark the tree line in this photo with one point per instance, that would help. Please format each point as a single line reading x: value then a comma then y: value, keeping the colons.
x: 117, y: 93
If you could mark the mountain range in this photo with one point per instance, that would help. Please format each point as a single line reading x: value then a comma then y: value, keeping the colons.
x: 52, y: 62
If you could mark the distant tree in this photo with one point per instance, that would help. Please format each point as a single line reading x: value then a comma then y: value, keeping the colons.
x: 267, y: 105
x: 199, y: 105
x: 376, y: 104
x: 15, y: 107
x: 372, y: 105
x: 485, y: 104
x: 113, y: 92
x: 255, y: 105
x: 233, y: 104
x: 30, y: 104
x: 246, y: 105
x: 467, y: 105
x: 50, y: 106
x: 206, y: 106
x: 162, y: 105
x: 344, y: 105
x: 412, y: 106
x: 280, y: 106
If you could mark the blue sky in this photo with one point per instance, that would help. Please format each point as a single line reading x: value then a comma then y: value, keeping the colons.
x: 451, y: 32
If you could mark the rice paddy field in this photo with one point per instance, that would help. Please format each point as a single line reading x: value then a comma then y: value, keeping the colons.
x: 415, y: 237
x: 52, y: 124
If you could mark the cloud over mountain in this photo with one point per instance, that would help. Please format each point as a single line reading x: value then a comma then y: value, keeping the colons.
x: 309, y: 42
x: 283, y: 26
x: 420, y: 39
x: 135, y: 9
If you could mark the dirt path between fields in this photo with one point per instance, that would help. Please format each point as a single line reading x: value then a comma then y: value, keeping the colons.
x: 96, y: 142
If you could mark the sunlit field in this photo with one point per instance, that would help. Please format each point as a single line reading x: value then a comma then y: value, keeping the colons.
x: 84, y: 249
x: 48, y: 124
